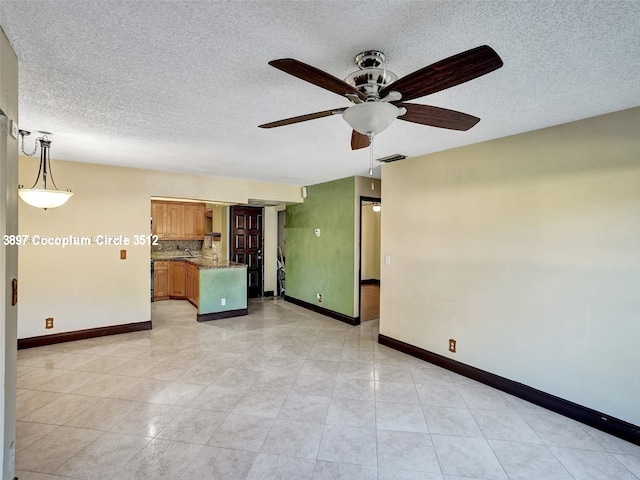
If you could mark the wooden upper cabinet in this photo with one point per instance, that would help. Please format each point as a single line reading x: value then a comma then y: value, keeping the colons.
x: 174, y: 229
x: 158, y: 218
x: 177, y: 220
x: 193, y: 220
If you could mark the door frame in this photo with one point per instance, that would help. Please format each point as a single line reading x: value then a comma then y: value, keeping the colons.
x: 363, y: 199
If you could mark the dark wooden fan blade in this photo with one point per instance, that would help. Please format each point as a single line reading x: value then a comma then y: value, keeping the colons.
x: 446, y: 73
x: 303, y: 118
x: 436, y: 116
x: 359, y: 140
x: 315, y: 76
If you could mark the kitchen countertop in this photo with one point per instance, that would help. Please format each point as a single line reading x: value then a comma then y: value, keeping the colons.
x: 202, y: 262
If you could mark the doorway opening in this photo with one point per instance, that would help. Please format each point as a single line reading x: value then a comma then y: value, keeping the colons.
x: 369, y: 278
x: 281, y: 252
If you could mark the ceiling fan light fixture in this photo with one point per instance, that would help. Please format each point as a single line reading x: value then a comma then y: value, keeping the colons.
x: 377, y: 92
x: 371, y: 117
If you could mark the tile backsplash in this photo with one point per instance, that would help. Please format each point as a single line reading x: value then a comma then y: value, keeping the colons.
x: 168, y: 246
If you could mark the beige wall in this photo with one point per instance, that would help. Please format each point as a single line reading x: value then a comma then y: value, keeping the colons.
x: 8, y: 254
x: 526, y: 250
x: 89, y: 286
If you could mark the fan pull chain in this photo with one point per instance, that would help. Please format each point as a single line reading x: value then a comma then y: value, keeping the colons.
x: 371, y: 135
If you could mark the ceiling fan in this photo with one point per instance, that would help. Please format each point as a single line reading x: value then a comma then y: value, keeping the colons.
x: 380, y: 97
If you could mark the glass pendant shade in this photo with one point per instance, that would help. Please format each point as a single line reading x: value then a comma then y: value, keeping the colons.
x: 43, y: 197
x: 377, y: 207
x: 371, y: 117
x: 39, y: 198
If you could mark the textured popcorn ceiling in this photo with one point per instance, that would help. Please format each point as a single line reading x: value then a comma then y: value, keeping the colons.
x: 182, y: 85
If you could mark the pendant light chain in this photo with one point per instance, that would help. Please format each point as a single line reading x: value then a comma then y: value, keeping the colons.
x: 35, y: 146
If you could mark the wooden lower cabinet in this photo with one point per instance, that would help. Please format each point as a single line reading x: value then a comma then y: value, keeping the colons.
x: 177, y: 280
x: 160, y: 280
x: 193, y: 283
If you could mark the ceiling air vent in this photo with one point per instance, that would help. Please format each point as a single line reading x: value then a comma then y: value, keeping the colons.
x: 392, y: 158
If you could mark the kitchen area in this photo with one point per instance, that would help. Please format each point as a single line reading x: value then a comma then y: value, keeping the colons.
x: 190, y: 259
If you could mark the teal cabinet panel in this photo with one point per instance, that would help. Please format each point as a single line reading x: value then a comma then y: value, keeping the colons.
x: 217, y: 284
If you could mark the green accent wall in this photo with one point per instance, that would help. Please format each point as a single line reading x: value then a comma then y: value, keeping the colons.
x: 323, y: 264
x: 219, y: 283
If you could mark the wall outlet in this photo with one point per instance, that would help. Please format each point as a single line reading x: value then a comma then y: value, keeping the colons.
x: 317, y: 232
x: 452, y: 345
x: 123, y: 254
x: 387, y: 259
x: 48, y: 323
x: 223, y: 301
x: 319, y: 297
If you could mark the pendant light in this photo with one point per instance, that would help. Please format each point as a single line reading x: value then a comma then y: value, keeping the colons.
x: 42, y: 197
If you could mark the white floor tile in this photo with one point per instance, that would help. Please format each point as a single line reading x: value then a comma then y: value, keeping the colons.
x: 293, y: 439
x: 468, y: 457
x: 344, y: 444
x: 590, y: 465
x: 277, y: 466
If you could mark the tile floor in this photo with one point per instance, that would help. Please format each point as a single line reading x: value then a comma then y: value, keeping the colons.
x: 281, y: 394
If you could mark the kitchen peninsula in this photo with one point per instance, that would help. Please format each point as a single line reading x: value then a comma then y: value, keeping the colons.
x: 218, y: 289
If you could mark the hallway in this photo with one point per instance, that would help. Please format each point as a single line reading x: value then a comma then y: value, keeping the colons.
x: 370, y: 302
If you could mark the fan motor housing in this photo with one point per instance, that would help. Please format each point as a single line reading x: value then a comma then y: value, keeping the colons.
x: 370, y: 79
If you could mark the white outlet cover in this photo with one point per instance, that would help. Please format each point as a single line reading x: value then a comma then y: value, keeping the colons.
x: 223, y: 301
x: 317, y: 232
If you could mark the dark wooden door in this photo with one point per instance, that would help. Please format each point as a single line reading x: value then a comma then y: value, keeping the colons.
x: 246, y: 245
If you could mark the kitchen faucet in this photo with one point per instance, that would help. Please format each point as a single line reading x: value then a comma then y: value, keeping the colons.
x: 189, y: 252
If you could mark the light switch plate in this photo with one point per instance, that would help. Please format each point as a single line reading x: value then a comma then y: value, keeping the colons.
x: 13, y: 128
